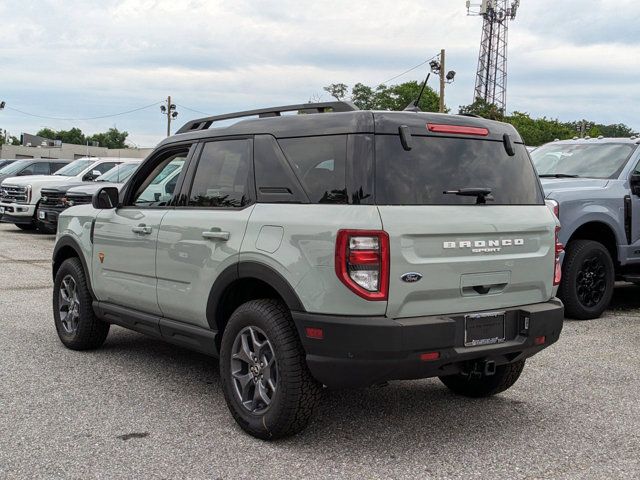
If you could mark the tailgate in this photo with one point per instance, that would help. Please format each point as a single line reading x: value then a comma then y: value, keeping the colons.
x: 470, y: 257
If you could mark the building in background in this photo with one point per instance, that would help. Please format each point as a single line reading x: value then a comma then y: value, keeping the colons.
x: 34, y: 146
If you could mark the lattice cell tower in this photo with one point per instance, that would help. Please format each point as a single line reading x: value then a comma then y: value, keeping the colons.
x: 491, y: 79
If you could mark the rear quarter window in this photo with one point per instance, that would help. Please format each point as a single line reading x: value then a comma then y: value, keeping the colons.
x: 438, y: 164
x: 320, y: 165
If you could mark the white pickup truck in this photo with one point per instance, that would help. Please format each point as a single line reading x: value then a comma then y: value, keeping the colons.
x: 20, y: 196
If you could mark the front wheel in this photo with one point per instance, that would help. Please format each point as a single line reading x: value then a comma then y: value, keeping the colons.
x: 478, y: 385
x: 77, y: 326
x: 266, y: 382
x: 588, y: 278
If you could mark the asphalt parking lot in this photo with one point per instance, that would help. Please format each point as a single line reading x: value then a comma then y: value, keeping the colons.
x: 141, y: 408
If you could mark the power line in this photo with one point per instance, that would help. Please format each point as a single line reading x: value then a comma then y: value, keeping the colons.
x: 194, y: 110
x: 410, y: 70
x: 82, y: 118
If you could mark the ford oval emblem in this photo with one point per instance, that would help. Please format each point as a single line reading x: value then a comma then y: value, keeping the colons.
x: 411, y: 277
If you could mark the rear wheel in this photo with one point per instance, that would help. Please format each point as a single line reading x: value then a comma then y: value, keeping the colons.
x: 266, y: 382
x: 479, y: 385
x: 588, y: 278
x: 77, y: 326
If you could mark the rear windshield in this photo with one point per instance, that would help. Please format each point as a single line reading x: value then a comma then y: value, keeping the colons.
x: 436, y: 165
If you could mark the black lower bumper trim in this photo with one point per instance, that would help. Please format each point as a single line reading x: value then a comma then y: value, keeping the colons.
x: 16, y: 220
x: 361, y: 351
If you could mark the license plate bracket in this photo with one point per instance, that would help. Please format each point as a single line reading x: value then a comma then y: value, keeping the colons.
x: 484, y: 329
x: 42, y: 215
x: 1, y: 210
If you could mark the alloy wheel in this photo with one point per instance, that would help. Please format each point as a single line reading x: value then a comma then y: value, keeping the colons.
x: 254, y: 370
x: 591, y: 281
x: 69, y: 304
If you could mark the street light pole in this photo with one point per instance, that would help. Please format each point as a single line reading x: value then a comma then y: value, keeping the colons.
x: 170, y: 111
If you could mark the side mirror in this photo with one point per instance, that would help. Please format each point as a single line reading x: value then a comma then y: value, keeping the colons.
x: 105, y: 199
x: 635, y: 184
x: 92, y: 175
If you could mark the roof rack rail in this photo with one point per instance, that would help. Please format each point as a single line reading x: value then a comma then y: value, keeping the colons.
x: 323, y: 107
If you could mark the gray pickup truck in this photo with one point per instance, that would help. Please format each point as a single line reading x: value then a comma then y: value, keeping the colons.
x: 594, y: 185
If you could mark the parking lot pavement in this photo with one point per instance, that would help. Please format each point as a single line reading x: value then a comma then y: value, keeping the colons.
x: 141, y: 408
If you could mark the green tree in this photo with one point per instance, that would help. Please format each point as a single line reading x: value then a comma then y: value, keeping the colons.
x: 73, y: 135
x: 483, y: 109
x: 112, y: 138
x: 383, y: 97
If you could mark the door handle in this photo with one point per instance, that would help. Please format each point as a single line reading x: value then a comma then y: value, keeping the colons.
x: 216, y: 235
x: 142, y: 229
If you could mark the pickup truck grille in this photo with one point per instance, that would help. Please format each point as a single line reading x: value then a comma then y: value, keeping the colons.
x: 81, y: 199
x: 51, y: 198
x: 13, y: 194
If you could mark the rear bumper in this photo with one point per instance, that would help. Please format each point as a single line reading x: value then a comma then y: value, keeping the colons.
x: 361, y: 351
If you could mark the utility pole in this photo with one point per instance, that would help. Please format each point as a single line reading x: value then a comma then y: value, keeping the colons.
x: 442, y: 80
x: 170, y: 111
x: 438, y: 68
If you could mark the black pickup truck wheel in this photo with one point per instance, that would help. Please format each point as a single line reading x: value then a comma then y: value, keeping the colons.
x: 265, y: 378
x: 588, y: 278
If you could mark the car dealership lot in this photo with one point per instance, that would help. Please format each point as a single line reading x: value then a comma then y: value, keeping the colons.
x: 141, y: 407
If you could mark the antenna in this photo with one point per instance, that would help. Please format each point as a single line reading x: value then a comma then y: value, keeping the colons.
x: 491, y: 77
x: 413, y: 107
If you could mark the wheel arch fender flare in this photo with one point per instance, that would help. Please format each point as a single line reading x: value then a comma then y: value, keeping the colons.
x: 63, y: 247
x: 249, y: 270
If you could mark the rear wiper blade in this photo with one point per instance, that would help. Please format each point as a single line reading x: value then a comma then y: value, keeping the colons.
x: 557, y: 175
x: 482, y: 194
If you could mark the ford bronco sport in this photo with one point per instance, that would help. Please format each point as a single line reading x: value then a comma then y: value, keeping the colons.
x: 335, y: 247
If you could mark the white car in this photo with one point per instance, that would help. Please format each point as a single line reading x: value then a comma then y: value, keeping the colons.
x: 20, y: 196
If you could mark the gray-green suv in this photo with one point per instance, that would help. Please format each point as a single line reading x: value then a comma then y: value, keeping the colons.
x: 334, y: 247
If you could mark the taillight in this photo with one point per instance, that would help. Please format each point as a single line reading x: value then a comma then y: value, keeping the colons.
x: 555, y: 208
x: 557, y: 275
x: 362, y: 262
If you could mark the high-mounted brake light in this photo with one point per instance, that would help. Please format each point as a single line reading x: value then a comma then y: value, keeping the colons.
x: 362, y: 262
x: 457, y: 129
x: 557, y: 273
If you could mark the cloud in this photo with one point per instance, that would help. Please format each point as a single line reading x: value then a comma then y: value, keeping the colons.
x: 86, y: 58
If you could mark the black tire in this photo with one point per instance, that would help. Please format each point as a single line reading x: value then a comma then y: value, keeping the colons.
x: 27, y: 227
x: 90, y: 331
x: 480, y: 385
x: 296, y: 392
x: 571, y: 292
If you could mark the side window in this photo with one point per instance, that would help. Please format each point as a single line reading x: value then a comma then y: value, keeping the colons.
x: 54, y: 167
x: 222, y: 176
x: 275, y: 180
x: 320, y: 164
x: 105, y: 167
x: 41, y: 168
x: 157, y: 189
x: 636, y: 170
x: 28, y: 170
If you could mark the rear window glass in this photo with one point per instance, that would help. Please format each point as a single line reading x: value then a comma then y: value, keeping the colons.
x: 436, y: 165
x: 320, y: 164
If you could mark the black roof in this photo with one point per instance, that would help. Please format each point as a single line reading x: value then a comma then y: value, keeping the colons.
x: 325, y: 120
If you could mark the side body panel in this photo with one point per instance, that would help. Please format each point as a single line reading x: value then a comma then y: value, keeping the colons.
x: 298, y: 242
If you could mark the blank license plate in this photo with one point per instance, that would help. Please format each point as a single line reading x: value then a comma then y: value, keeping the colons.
x: 483, y: 329
x: 1, y: 210
x: 42, y: 215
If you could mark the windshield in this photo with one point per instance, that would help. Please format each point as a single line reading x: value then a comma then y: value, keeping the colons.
x: 604, y: 160
x: 14, y: 167
x: 119, y: 173
x: 453, y: 171
x: 74, y: 168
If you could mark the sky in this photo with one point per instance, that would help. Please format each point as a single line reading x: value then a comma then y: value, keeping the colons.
x: 71, y: 59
